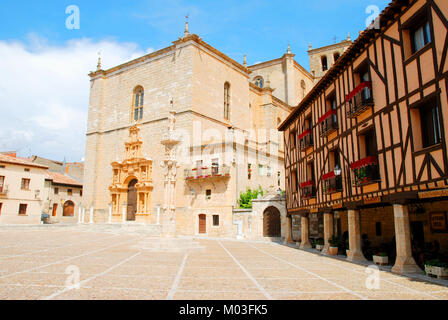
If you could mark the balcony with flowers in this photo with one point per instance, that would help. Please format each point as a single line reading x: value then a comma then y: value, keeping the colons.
x: 359, y: 99
x: 308, y: 190
x: 332, y: 181
x: 214, y: 171
x: 365, y: 171
x: 328, y: 123
x: 306, y: 140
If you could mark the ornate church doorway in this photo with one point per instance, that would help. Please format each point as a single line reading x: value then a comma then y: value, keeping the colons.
x: 132, y: 200
x: 271, y: 223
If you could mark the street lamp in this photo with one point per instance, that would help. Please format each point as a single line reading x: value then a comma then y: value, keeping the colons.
x: 337, y: 171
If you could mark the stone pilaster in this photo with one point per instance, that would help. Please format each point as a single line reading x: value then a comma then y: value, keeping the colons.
x: 354, y: 237
x: 404, y: 263
x: 328, y: 230
x: 306, y: 244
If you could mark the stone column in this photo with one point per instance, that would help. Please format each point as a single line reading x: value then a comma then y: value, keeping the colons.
x: 306, y: 244
x: 124, y: 212
x: 354, y: 237
x: 79, y: 214
x: 328, y: 230
x: 91, y: 215
x: 110, y: 213
x: 404, y: 263
x: 288, y: 236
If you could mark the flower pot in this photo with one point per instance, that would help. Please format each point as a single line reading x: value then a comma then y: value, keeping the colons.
x: 379, y: 260
x: 333, y: 251
x: 319, y: 247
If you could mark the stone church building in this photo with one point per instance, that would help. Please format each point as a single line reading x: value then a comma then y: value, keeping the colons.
x: 175, y: 136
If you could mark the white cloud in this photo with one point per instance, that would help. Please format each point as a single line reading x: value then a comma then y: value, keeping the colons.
x: 44, y: 93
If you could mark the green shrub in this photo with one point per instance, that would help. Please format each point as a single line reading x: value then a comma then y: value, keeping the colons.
x: 245, y: 201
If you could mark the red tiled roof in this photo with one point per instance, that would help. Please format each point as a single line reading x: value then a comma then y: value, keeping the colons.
x: 20, y: 161
x: 59, y: 178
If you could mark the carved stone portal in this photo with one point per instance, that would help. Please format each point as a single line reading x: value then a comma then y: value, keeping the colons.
x: 136, y: 171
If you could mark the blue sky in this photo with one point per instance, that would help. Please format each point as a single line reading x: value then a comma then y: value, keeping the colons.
x: 33, y: 34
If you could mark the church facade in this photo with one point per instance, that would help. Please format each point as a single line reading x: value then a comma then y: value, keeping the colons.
x: 175, y: 136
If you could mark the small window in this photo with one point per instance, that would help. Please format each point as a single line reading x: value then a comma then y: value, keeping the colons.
x: 25, y: 184
x: 80, y: 193
x: 27, y: 170
x: 208, y: 194
x: 70, y: 192
x: 2, y: 183
x: 324, y: 63
x: 268, y: 171
x: 293, y: 138
x: 138, y: 103
x: 294, y: 181
x: 260, y: 170
x: 216, y: 221
x: 22, y: 209
x: 249, y: 171
x: 336, y: 56
x: 227, y: 101
x: 259, y: 82
x: 2, y: 167
x: 56, y: 190
x: 279, y: 178
x: 430, y: 125
x: 420, y: 36
x: 378, y: 228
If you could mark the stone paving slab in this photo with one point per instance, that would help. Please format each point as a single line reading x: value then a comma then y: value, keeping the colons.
x: 36, y: 263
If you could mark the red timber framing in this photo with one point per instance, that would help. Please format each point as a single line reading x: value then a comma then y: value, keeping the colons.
x: 403, y: 85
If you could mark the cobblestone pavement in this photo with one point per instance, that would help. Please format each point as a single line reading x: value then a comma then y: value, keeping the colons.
x: 43, y: 263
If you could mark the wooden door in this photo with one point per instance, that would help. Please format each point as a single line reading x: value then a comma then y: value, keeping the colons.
x: 132, y: 201
x: 69, y: 209
x: 271, y: 223
x: 55, y: 208
x: 202, y: 223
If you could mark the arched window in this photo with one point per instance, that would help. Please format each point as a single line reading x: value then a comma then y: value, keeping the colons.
x: 227, y: 101
x: 324, y: 63
x: 336, y: 56
x: 259, y: 82
x: 303, y: 86
x: 139, y: 97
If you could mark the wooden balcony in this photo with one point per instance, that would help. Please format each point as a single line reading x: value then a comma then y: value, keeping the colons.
x: 331, y: 183
x: 328, y: 123
x: 365, y: 171
x: 360, y: 99
x: 213, y: 172
x: 306, y: 140
x: 308, y: 190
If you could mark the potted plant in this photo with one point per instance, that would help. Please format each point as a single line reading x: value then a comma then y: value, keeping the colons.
x: 381, y: 259
x: 319, y: 244
x: 437, y: 268
x: 333, y: 250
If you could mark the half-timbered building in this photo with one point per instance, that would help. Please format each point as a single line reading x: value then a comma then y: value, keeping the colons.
x: 366, y: 148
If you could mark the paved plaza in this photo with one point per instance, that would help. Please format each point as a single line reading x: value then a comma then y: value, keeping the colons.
x: 46, y: 263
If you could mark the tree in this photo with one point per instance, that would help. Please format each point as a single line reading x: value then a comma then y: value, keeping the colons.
x: 246, y: 198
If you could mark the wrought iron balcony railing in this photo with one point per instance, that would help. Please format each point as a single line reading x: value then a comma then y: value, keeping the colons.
x: 306, y: 140
x: 328, y: 123
x: 331, y: 183
x: 359, y: 99
x: 365, y: 171
x: 207, y: 172
x: 308, y: 190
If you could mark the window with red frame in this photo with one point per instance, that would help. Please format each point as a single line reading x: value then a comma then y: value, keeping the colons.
x: 22, y: 209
